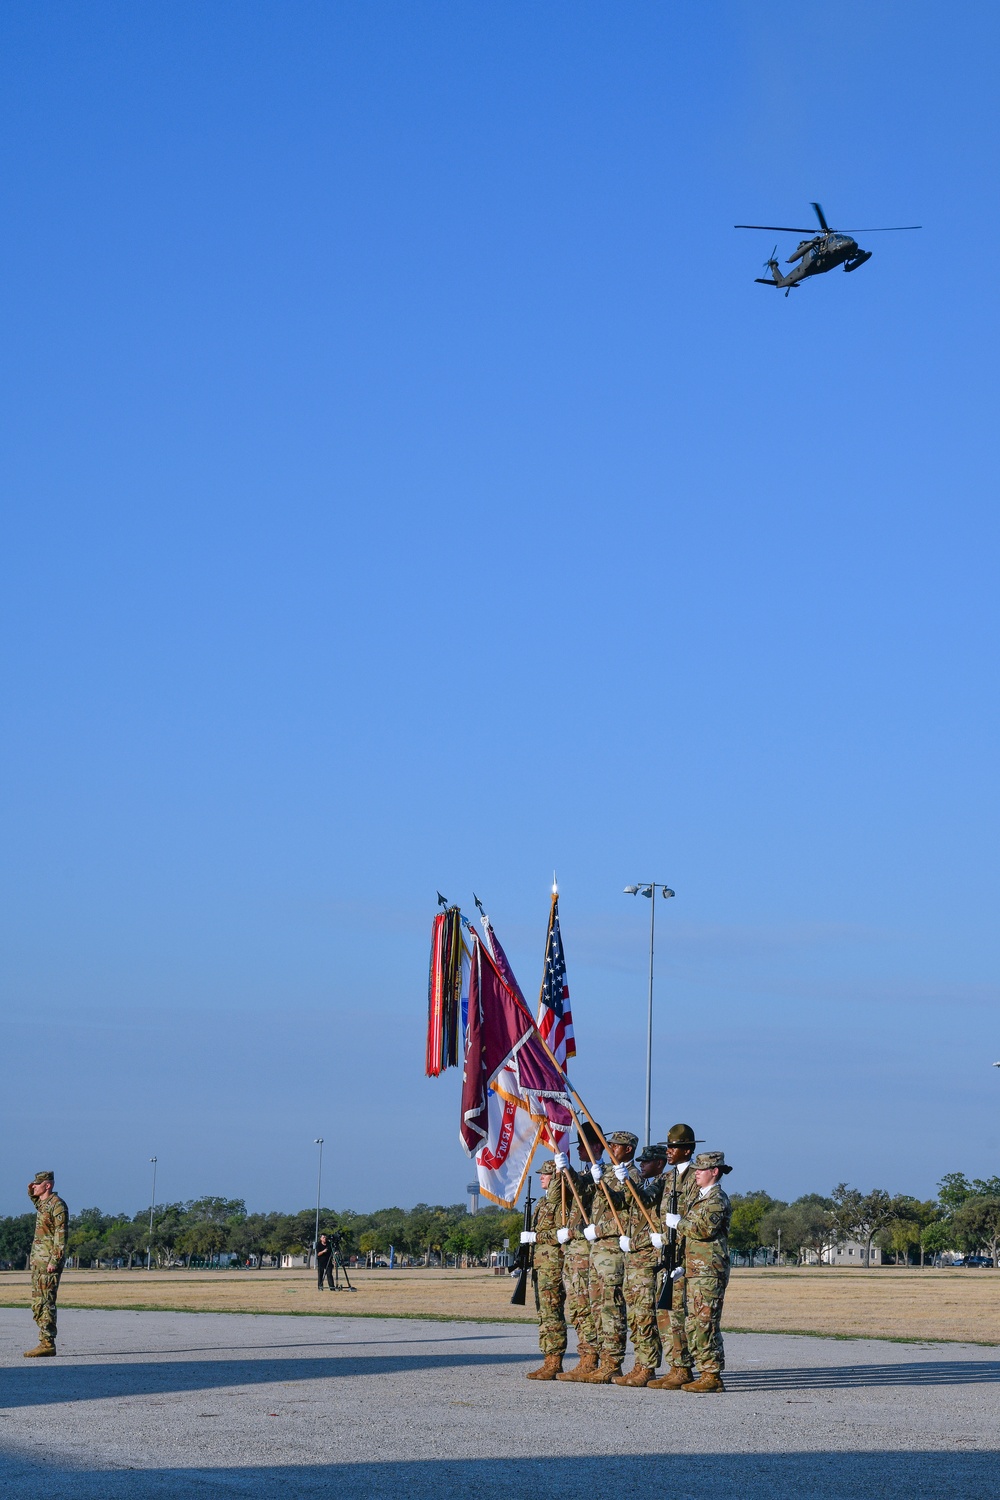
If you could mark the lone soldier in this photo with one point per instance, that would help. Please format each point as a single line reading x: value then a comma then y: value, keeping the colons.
x: 607, y: 1255
x: 641, y: 1265
x: 705, y: 1227
x: 679, y: 1179
x: 547, y: 1264
x: 48, y: 1251
x: 576, y: 1250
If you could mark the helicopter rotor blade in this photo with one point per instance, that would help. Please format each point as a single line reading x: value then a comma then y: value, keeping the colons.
x: 885, y: 229
x: 779, y: 229
x: 822, y: 221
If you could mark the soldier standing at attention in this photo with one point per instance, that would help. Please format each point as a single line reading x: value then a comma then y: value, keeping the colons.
x: 641, y: 1265
x: 48, y: 1251
x: 576, y: 1252
x: 679, y: 1179
x: 547, y: 1264
x: 705, y: 1227
x: 607, y: 1254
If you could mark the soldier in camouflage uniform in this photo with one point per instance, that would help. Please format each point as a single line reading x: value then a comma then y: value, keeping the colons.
x: 610, y: 1209
x: 672, y: 1323
x: 705, y: 1227
x: 48, y: 1250
x: 576, y: 1254
x: 547, y: 1271
x: 641, y: 1264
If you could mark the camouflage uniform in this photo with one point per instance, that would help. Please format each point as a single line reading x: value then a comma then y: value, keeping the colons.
x: 672, y: 1324
x: 547, y: 1263
x: 607, y: 1264
x: 639, y: 1285
x: 705, y: 1226
x: 48, y: 1248
x: 576, y: 1263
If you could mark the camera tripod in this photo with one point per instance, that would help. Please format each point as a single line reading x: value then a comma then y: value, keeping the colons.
x: 338, y: 1266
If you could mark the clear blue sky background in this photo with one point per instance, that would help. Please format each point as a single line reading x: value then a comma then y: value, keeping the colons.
x: 406, y: 487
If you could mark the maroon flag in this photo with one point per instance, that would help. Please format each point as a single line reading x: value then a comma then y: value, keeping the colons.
x: 504, y: 1050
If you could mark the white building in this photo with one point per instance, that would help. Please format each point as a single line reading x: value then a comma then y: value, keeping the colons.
x: 850, y: 1253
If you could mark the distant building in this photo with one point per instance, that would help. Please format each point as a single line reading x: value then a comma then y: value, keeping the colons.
x: 850, y: 1253
x: 289, y: 1262
x: 473, y: 1192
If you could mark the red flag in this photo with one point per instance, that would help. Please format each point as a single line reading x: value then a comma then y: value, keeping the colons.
x: 502, y: 1040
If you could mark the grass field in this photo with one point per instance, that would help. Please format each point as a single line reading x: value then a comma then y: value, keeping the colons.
x: 959, y: 1305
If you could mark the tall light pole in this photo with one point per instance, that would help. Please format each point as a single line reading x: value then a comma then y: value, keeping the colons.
x: 319, y: 1188
x: 152, y: 1205
x: 648, y: 888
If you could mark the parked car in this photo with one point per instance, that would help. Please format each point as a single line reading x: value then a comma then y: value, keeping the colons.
x: 979, y: 1260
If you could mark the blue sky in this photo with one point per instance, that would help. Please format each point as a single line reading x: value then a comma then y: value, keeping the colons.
x: 407, y: 488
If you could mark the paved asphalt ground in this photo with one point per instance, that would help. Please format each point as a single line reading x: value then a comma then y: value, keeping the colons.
x: 205, y: 1404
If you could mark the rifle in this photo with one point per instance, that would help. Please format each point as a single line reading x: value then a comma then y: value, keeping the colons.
x: 668, y: 1261
x: 522, y: 1261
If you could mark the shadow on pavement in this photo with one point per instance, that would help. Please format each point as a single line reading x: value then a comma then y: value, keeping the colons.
x: 855, y: 1377
x: 806, y: 1476
x: 49, y: 1383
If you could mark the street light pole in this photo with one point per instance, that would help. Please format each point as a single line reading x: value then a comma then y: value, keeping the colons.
x: 152, y: 1204
x: 648, y: 888
x: 319, y: 1188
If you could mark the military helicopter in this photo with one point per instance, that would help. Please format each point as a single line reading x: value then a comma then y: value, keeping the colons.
x: 820, y: 252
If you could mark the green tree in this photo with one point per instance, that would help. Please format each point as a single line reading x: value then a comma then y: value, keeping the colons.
x: 749, y: 1210
x: 977, y: 1225
x: 953, y: 1189
x: 16, y: 1234
x: 937, y: 1237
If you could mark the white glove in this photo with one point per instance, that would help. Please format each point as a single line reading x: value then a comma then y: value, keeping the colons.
x: 528, y: 1236
x: 561, y: 1161
x: 590, y: 1233
x: 625, y: 1243
x: 671, y: 1220
x: 597, y: 1171
x: 621, y: 1172
x: 657, y: 1239
x: 564, y: 1236
x: 676, y: 1274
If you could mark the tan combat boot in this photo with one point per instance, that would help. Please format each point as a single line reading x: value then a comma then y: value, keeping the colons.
x: 673, y: 1380
x: 549, y: 1368
x: 588, y: 1363
x: 711, y: 1380
x: 605, y: 1373
x: 638, y: 1375
x: 45, y: 1350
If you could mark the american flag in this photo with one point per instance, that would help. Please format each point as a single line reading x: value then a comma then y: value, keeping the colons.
x: 555, y: 1019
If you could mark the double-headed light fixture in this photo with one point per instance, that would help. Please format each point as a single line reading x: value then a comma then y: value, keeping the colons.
x: 649, y: 888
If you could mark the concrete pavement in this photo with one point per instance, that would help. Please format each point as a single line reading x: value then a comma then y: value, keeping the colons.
x: 177, y: 1404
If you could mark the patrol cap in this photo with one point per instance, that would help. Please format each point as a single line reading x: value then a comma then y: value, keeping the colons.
x: 652, y: 1153
x: 43, y: 1177
x: 623, y: 1138
x: 547, y: 1169
x: 682, y: 1135
x: 705, y: 1161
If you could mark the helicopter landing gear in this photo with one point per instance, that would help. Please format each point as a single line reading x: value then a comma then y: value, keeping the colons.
x: 859, y: 260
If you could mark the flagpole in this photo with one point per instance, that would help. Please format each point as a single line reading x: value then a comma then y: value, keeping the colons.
x: 600, y: 1134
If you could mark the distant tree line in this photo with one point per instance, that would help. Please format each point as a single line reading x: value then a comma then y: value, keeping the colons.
x: 964, y: 1218
x: 200, y: 1231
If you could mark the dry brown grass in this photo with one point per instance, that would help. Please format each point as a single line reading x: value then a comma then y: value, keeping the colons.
x: 955, y: 1305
